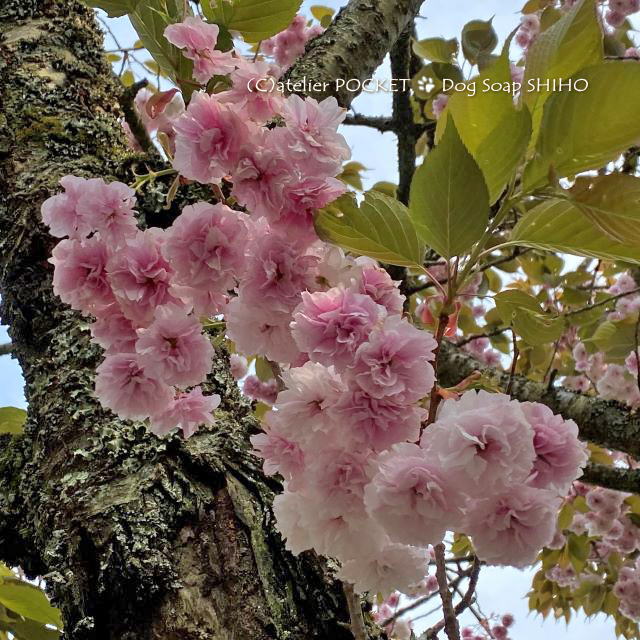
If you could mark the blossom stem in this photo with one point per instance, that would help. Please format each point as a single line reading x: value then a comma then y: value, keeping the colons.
x: 434, y: 398
x: 355, y: 612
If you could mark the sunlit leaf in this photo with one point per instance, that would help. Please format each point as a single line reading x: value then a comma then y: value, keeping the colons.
x: 380, y: 228
x: 559, y: 225
x: 449, y: 199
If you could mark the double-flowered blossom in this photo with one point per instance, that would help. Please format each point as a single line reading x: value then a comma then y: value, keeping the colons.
x: 198, y: 40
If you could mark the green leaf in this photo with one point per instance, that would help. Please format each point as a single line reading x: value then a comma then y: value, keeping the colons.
x: 559, y: 225
x: 255, y: 20
x: 114, y: 8
x: 529, y: 321
x: 379, y: 228
x: 150, y: 19
x: 586, y: 130
x: 436, y: 49
x: 570, y: 44
x: 616, y: 339
x: 25, y: 629
x: 449, y: 198
x: 478, y: 37
x: 28, y: 601
x: 320, y: 12
x: 351, y: 174
x: 493, y: 130
x: 387, y: 188
x: 12, y: 420
x: 612, y: 203
x: 263, y: 369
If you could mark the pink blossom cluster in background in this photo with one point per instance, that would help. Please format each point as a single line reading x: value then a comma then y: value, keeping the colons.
x: 289, y: 44
x: 606, y: 517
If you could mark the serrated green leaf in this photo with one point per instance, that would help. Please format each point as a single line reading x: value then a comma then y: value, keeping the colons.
x: 25, y: 629
x: 12, y: 420
x: 571, y: 43
x: 558, y: 225
x: 478, y: 37
x: 114, y: 8
x: 150, y: 19
x: 255, y: 20
x: 29, y: 601
x: 616, y: 339
x: 379, y: 228
x: 449, y: 199
x: 436, y: 49
x: 612, y: 203
x: 586, y: 130
x: 387, y: 188
x: 351, y: 174
x: 524, y: 313
x: 494, y: 131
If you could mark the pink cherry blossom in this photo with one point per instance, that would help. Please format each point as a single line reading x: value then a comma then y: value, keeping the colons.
x: 395, y: 361
x: 484, y: 439
x: 59, y: 212
x: 198, y: 40
x: 108, y: 209
x: 205, y: 246
x: 264, y: 391
x: 376, y: 423
x: 439, y: 104
x: 560, y: 456
x: 411, y: 497
x: 255, y: 334
x: 159, y: 111
x: 280, y: 454
x: 187, y: 411
x: 141, y: 277
x: 311, y: 136
x: 255, y: 90
x: 510, y: 528
x: 376, y: 283
x: 331, y: 325
x: 123, y: 386
x: 311, y: 392
x: 210, y: 138
x: 289, y: 44
x: 238, y: 366
x: 277, y: 272
x: 396, y: 566
x: 80, y: 274
x: 174, y: 349
x: 113, y: 332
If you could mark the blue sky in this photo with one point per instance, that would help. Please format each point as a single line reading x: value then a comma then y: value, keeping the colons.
x: 500, y: 590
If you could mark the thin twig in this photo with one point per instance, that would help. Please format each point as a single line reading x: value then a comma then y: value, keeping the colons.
x: 602, y: 302
x: 488, y: 334
x: 450, y: 623
x: 514, y: 362
x: 355, y: 612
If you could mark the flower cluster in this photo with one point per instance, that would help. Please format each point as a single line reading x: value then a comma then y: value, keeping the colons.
x: 619, y: 10
x: 128, y: 280
x: 365, y: 481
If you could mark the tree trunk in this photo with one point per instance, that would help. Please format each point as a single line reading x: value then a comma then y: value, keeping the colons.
x: 137, y: 537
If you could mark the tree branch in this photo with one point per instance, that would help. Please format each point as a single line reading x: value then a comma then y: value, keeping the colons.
x: 6, y: 348
x: 612, y: 477
x: 352, y: 48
